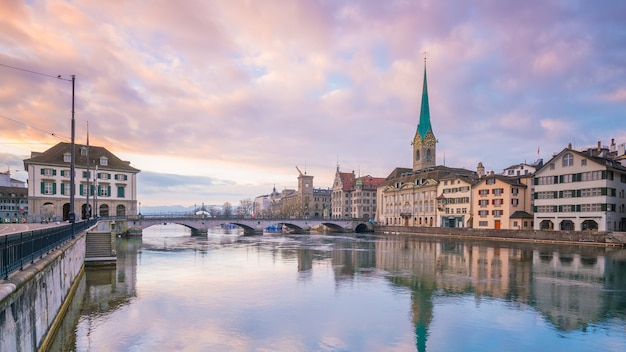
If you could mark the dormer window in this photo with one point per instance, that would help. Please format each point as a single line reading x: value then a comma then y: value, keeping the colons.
x: 568, y: 160
x: 67, y: 157
x: 83, y: 150
x: 104, y: 161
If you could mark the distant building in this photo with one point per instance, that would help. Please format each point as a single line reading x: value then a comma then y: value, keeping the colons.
x: 307, y: 201
x: 13, y: 204
x: 522, y: 169
x: 7, y: 181
x: 582, y: 191
x: 354, y: 197
x: 454, y: 202
x: 110, y: 182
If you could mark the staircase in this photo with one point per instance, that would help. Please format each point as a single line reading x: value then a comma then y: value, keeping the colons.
x: 100, y: 248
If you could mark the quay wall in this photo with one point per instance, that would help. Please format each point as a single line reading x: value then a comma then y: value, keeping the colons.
x: 586, y: 237
x: 30, y: 300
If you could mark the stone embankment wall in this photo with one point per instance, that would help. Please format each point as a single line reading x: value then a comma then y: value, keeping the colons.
x: 588, y: 237
x: 31, y: 299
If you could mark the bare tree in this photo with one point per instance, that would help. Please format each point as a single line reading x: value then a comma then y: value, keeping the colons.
x: 246, y: 206
x: 228, y: 210
x: 214, y: 211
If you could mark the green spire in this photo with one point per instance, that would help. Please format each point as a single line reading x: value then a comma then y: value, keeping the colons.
x: 424, y: 124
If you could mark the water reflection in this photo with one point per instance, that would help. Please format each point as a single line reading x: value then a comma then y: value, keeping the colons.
x: 388, y: 293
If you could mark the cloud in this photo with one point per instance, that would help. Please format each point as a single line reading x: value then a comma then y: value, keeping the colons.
x: 246, y: 90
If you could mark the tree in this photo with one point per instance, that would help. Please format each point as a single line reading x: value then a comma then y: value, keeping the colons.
x: 246, y: 206
x: 214, y: 211
x: 228, y: 210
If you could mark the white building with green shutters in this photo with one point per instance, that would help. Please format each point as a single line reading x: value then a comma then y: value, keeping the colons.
x: 111, y: 182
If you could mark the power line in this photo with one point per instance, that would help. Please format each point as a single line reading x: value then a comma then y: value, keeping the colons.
x: 35, y: 72
x: 35, y: 128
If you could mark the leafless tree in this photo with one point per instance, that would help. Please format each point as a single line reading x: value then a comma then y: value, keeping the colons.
x: 246, y: 206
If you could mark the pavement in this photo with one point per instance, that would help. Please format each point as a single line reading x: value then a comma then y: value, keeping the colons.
x: 6, y: 229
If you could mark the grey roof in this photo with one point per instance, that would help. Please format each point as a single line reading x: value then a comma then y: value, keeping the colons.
x: 54, y: 157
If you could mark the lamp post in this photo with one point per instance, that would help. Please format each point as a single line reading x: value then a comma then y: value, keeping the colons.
x: 72, y: 215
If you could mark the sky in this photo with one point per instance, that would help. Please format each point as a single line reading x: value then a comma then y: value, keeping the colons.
x: 219, y: 101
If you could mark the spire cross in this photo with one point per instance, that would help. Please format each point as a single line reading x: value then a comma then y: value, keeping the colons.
x: 424, y: 56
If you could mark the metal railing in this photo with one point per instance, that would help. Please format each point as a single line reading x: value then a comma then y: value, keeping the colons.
x: 19, y: 249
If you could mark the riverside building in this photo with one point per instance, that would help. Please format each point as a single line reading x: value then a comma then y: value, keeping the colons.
x: 411, y: 197
x: 110, y: 183
x: 354, y: 197
x: 582, y: 190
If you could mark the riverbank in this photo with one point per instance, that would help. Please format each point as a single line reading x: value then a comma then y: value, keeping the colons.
x: 568, y: 237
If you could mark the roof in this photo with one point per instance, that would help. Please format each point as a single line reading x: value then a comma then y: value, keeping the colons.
x: 424, y: 125
x: 607, y: 162
x: 520, y: 214
x: 54, y: 156
x: 404, y: 175
x: 511, y: 180
x: 18, y: 191
x: 347, y: 181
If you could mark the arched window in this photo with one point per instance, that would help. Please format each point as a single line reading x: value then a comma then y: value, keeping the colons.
x: 567, y: 225
x: 428, y: 155
x: 568, y: 160
x: 546, y: 225
x: 417, y: 155
x: 120, y: 210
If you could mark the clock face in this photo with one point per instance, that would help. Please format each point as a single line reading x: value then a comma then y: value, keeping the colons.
x: 429, y: 140
x: 417, y: 141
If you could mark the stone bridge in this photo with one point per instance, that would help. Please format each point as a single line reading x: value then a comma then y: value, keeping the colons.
x: 134, y: 225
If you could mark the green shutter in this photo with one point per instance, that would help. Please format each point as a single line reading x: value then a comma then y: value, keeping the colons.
x: 43, y: 187
x: 560, y: 194
x: 556, y: 179
x: 42, y: 171
x: 603, y: 191
x: 54, y: 188
x: 536, y: 181
x: 604, y: 174
x: 535, y: 195
x: 62, y: 188
x: 125, y: 177
x: 82, y: 190
x: 603, y: 207
x: 54, y: 172
x: 109, y: 191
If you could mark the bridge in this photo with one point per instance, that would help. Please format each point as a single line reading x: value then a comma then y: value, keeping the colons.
x: 134, y: 225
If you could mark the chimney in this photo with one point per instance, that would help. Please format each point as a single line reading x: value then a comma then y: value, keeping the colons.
x: 599, y: 146
x: 569, y: 146
x: 612, y: 144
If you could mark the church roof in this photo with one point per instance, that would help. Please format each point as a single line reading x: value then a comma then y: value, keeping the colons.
x: 424, y: 125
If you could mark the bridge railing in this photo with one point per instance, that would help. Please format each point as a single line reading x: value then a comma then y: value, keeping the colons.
x: 223, y: 217
x: 19, y: 249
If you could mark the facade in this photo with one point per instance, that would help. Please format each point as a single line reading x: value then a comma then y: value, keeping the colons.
x: 13, y: 204
x: 500, y: 202
x: 110, y: 183
x: 581, y: 191
x: 410, y: 198
x: 354, y: 197
x: 454, y: 202
x: 305, y: 202
x: 522, y: 169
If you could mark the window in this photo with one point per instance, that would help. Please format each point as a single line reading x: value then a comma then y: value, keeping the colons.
x: 514, y: 191
x: 583, y: 162
x: 120, y: 191
x: 514, y: 202
x: 48, y: 172
x: 104, y: 161
x: 417, y: 155
x: 67, y: 157
x: 428, y: 156
x: 552, y: 166
x: 568, y: 160
x: 483, y: 223
x: 491, y: 181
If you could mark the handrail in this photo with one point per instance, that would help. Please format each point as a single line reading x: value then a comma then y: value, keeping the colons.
x: 19, y: 249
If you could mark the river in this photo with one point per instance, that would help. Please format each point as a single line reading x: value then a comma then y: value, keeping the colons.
x: 170, y: 291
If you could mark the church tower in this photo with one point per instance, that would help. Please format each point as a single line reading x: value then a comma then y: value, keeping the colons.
x: 424, y: 143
